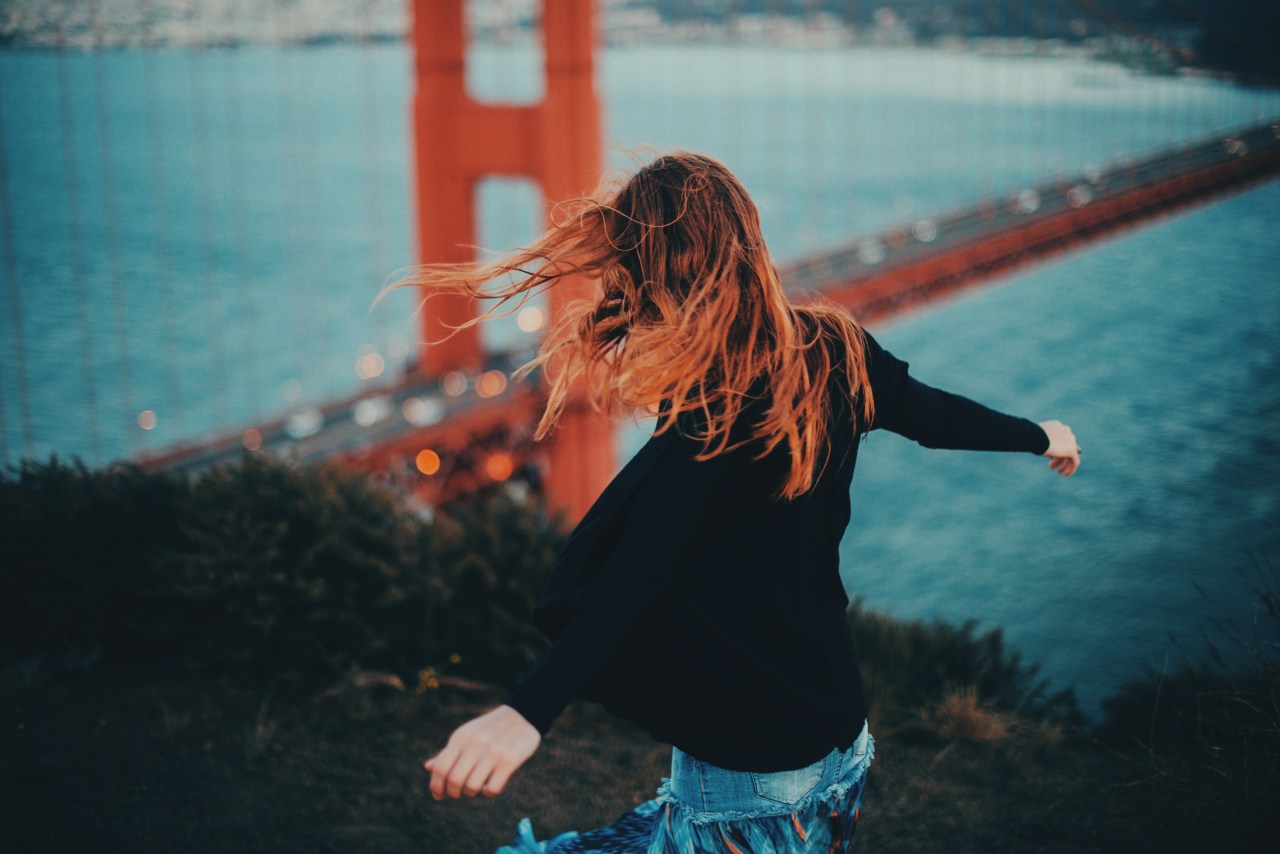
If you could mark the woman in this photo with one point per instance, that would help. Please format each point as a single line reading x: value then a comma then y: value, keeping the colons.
x: 700, y: 596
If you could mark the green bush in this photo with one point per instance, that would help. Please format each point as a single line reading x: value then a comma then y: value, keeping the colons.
x: 492, y: 556
x: 73, y: 539
x: 912, y: 665
x: 298, y: 575
x: 1208, y: 734
x: 266, y: 571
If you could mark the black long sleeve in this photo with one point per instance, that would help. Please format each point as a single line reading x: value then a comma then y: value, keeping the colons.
x: 939, y: 419
x: 664, y: 507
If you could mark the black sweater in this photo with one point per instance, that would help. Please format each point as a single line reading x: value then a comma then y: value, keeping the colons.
x: 691, y: 602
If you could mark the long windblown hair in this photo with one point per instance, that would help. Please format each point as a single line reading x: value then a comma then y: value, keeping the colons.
x: 689, y: 315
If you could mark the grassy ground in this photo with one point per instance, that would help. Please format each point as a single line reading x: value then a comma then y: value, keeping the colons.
x: 126, y: 761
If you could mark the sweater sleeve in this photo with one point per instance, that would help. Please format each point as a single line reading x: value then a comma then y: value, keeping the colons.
x: 939, y: 419
x: 566, y: 667
x: 665, y: 514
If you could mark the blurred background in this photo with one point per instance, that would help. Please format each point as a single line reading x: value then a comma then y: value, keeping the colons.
x: 200, y: 200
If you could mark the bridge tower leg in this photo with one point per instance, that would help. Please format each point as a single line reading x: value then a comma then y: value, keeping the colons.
x: 557, y: 143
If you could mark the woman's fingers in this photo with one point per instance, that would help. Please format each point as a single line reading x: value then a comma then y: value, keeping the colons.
x: 482, y: 754
x: 498, y: 779
x: 476, y: 779
x: 459, y: 773
x: 1065, y: 466
x: 440, y: 767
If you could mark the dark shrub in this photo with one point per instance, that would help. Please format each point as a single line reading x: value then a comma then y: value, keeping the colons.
x: 912, y: 665
x: 1208, y: 734
x: 266, y: 571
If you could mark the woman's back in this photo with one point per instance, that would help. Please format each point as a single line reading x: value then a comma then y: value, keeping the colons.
x: 700, y: 595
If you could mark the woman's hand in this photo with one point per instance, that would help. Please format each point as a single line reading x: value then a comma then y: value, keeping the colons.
x: 482, y: 754
x: 1063, y: 452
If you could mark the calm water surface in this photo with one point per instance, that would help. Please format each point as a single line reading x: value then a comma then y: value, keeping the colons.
x: 202, y: 236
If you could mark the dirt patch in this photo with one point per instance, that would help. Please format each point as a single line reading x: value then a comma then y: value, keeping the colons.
x: 125, y: 761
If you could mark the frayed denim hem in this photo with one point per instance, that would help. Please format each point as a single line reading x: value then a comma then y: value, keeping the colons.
x: 824, y: 820
x: 830, y: 795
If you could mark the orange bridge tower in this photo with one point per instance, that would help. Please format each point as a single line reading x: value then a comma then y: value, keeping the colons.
x: 557, y: 143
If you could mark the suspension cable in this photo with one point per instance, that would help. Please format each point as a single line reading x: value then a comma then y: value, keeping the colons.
x: 110, y: 216
x: 251, y: 386
x: 374, y: 161
x: 208, y: 256
x: 14, y: 291
x: 164, y: 249
x: 300, y: 314
x: 76, y: 238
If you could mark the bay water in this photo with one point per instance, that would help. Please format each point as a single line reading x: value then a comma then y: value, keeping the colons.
x: 200, y: 234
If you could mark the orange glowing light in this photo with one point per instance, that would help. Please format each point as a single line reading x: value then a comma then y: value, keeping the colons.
x: 499, y: 466
x: 252, y: 439
x: 428, y: 461
x: 147, y: 419
x: 491, y: 383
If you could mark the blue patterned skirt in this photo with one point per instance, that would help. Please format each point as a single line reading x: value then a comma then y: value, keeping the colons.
x: 704, y: 808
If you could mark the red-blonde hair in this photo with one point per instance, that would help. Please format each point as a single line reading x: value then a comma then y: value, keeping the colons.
x: 688, y: 315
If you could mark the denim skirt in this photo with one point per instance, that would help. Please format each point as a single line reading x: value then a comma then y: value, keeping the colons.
x: 704, y: 808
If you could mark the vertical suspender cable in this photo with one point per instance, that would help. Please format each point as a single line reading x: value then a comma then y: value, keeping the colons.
x: 982, y: 80
x: 928, y: 92
x: 13, y: 289
x: 110, y: 214
x: 76, y: 238
x: 374, y: 171
x: 200, y: 166
x: 735, y: 118
x: 318, y: 359
x: 300, y: 313
x: 845, y: 131
x: 776, y: 147
x: 1038, y: 87
x: 251, y: 376
x: 164, y: 260
x: 1026, y: 107
x: 997, y: 58
x: 813, y: 58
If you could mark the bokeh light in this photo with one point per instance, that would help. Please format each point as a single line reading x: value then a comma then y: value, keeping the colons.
x: 371, y: 410
x: 530, y: 318
x: 499, y: 466
x: 453, y: 383
x: 251, y: 439
x: 1028, y: 201
x: 420, y: 411
x: 924, y: 230
x: 147, y: 419
x: 427, y: 461
x: 491, y: 383
x: 871, y: 252
x: 369, y: 364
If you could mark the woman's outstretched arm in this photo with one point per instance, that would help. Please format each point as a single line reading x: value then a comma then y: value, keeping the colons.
x: 940, y: 419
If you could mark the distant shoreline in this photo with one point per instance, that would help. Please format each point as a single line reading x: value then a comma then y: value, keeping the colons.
x: 30, y: 25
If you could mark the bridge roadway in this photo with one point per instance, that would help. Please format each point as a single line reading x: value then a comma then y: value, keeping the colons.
x: 876, y: 277
x: 922, y: 261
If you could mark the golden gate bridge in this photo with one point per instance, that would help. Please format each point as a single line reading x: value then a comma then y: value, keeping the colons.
x: 457, y: 422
